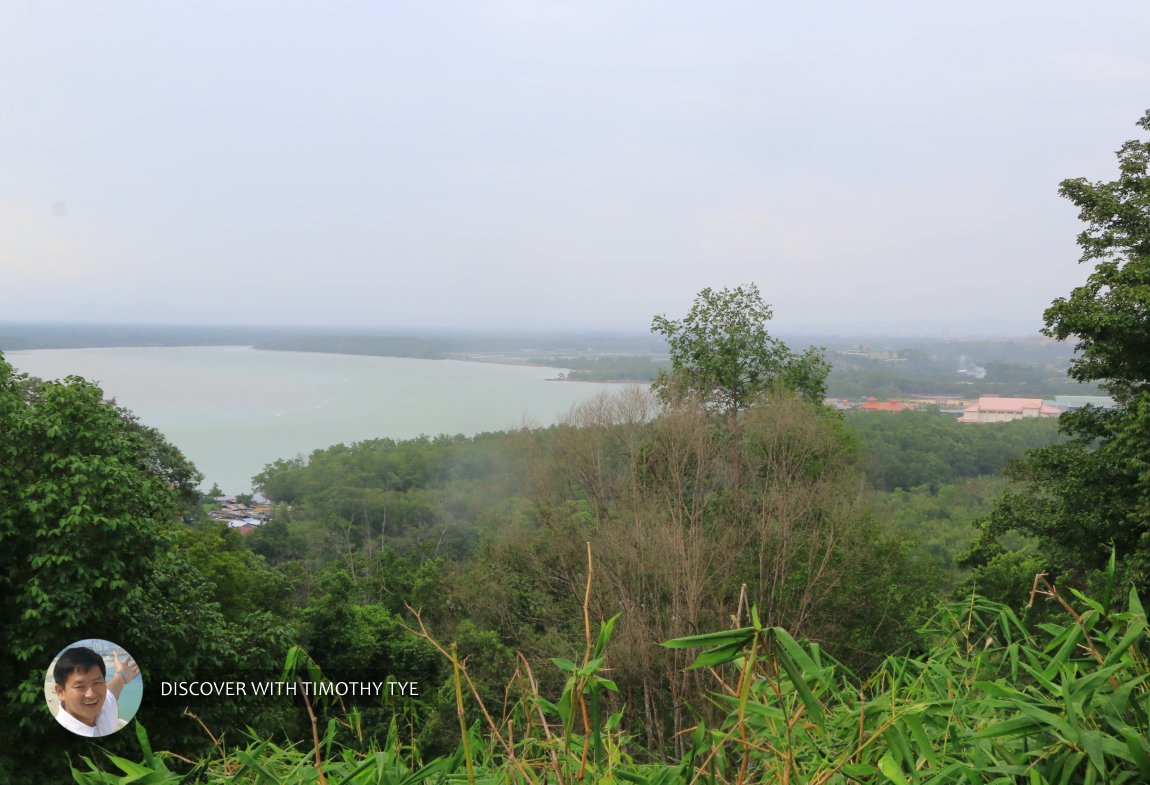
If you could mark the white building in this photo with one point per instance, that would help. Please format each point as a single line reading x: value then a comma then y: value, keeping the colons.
x: 991, y: 408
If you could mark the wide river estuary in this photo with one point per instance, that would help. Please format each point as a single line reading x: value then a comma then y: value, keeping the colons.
x: 232, y: 410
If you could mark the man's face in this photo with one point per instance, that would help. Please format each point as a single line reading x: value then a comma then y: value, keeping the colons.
x: 83, y: 694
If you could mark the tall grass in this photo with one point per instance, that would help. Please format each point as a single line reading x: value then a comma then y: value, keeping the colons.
x: 988, y: 701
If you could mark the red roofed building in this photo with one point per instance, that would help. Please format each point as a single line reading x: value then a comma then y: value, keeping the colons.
x: 885, y: 406
x: 994, y: 409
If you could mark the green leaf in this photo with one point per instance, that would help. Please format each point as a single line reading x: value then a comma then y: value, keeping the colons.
x: 1018, y: 726
x: 814, y: 708
x: 891, y: 770
x: 1139, y: 751
x: 914, y: 723
x: 607, y: 684
x: 998, y: 690
x: 590, y: 667
x: 564, y: 665
x: 795, y: 651
x: 605, y: 630
x: 741, y: 636
x: 1134, y: 633
x: 718, y: 656
x: 1136, y: 608
x: 1053, y: 722
x: 623, y: 774
x: 1092, y: 742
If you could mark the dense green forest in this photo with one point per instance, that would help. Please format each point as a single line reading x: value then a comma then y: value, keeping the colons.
x: 808, y: 517
x: 718, y: 580
x: 850, y: 528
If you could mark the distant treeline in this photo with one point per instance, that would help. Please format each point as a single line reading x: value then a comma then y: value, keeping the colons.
x: 625, y: 368
x: 884, y: 381
x: 89, y: 336
x: 371, y: 345
x: 917, y: 367
x: 527, y: 346
x: 526, y: 342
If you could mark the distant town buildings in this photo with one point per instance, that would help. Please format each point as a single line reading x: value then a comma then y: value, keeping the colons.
x: 886, y: 406
x: 992, y: 408
x: 240, y: 516
x: 987, y: 409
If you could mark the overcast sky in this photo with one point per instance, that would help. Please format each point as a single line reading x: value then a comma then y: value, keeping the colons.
x: 506, y: 163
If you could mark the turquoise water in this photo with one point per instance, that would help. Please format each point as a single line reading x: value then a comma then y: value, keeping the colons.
x: 232, y: 410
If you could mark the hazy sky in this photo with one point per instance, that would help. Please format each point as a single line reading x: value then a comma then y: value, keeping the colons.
x: 511, y: 163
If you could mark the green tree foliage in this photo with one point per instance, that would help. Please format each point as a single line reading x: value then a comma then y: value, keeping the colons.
x: 722, y: 353
x: 83, y: 492
x: 90, y: 502
x: 242, y: 582
x: 939, y: 523
x: 679, y: 546
x: 653, y: 488
x: 912, y: 449
x: 1093, y: 492
x: 423, y: 493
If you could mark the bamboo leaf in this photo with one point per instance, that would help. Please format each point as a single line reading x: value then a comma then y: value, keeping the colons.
x: 605, y: 630
x: 1139, y: 751
x: 1018, y: 726
x: 564, y: 665
x: 800, y: 657
x: 590, y: 667
x: 1136, y: 608
x: 718, y: 656
x: 997, y: 690
x: 951, y: 774
x: 607, y: 684
x: 1069, y: 645
x: 630, y: 776
x: 254, y: 765
x: 145, y: 746
x: 814, y: 708
x: 914, y: 723
x: 1050, y: 720
x: 1134, y: 633
x: 741, y: 636
x: 1092, y: 742
x: 1108, y: 594
x: 614, y: 720
x: 891, y: 770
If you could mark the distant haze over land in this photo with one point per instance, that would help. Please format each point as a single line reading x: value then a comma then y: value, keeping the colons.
x: 34, y: 335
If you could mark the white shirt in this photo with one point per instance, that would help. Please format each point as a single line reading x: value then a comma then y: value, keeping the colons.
x: 107, y: 722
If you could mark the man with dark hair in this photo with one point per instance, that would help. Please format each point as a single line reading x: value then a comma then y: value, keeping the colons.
x: 87, y: 698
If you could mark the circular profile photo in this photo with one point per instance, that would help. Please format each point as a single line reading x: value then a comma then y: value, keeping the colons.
x: 93, y: 687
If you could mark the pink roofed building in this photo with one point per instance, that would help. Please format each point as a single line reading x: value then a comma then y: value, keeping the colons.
x: 991, y: 408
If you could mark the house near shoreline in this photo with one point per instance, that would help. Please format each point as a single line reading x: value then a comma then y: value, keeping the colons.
x: 991, y: 408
